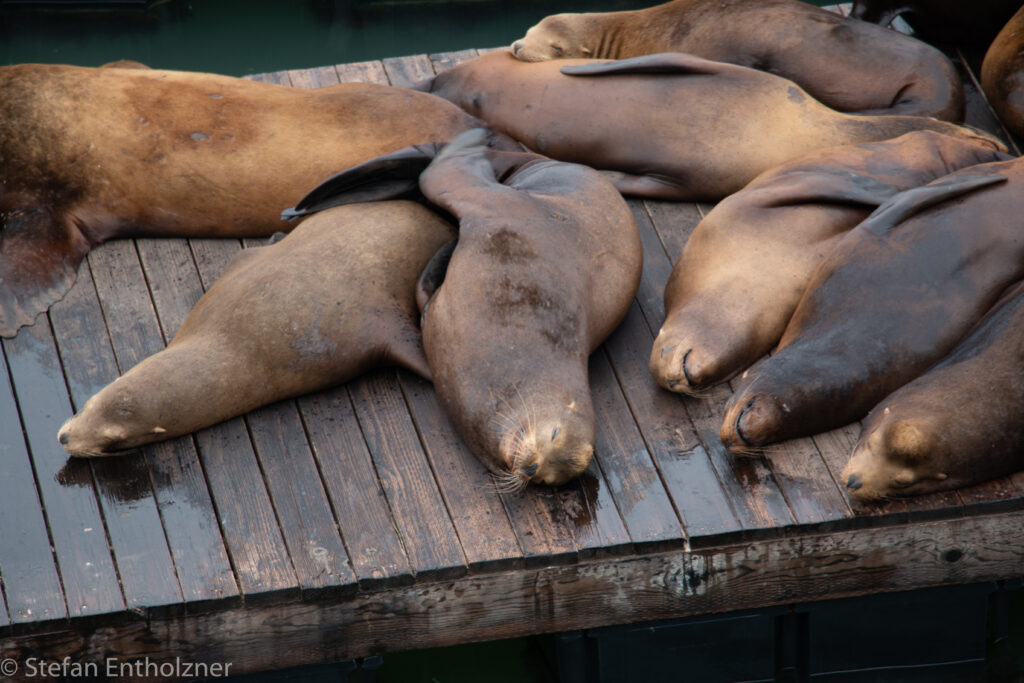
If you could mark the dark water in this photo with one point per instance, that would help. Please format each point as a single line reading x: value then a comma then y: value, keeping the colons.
x: 238, y: 37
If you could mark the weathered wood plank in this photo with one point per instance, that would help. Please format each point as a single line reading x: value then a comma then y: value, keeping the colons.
x: 749, y: 485
x: 362, y: 72
x: 360, y: 506
x: 74, y: 519
x: 124, y: 487
x: 404, y: 72
x: 431, y: 541
x: 30, y: 581
x: 308, y: 78
x: 548, y: 599
x: 624, y: 459
x: 465, y: 483
x: 246, y: 517
x: 445, y: 60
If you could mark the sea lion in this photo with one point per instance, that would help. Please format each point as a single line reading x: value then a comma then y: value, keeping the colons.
x: 943, y: 21
x: 746, y: 265
x: 849, y: 65
x: 334, y: 298
x: 1002, y: 74
x: 547, y: 262
x: 960, y: 423
x: 892, y: 298
x: 675, y: 126
x: 89, y: 154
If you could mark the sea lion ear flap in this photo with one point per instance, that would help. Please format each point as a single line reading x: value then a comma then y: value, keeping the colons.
x: 661, y: 63
x: 907, y: 203
x: 39, y: 259
x: 432, y: 276
x: 823, y: 187
x: 392, y: 176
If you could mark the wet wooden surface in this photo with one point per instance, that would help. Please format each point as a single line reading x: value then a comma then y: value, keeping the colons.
x: 363, y: 497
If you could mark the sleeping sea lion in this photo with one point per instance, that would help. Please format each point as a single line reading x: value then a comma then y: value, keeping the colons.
x: 331, y: 300
x: 849, y: 65
x: 89, y: 154
x: 943, y: 21
x: 960, y: 423
x: 547, y: 262
x: 892, y: 298
x: 746, y: 265
x: 675, y: 126
x: 1002, y: 74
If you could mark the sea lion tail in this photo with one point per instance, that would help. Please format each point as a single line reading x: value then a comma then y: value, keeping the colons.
x: 906, y: 204
x: 392, y: 176
x: 661, y: 63
x: 39, y: 259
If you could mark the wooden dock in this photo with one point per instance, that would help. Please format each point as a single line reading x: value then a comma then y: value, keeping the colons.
x: 354, y: 521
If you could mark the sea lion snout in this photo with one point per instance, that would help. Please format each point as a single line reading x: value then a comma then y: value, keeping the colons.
x: 751, y: 422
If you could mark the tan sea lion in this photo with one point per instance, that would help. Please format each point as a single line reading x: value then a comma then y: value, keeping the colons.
x: 334, y: 298
x: 1002, y: 74
x: 89, y: 154
x: 944, y: 21
x: 747, y: 263
x: 892, y: 298
x: 547, y: 262
x: 675, y: 126
x: 849, y: 65
x: 960, y: 423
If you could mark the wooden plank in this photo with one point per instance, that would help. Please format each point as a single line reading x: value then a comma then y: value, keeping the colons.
x: 76, y: 525
x: 244, y: 513
x: 362, y: 72
x: 360, y: 506
x: 199, y: 556
x: 404, y: 72
x: 123, y: 484
x: 748, y: 482
x: 308, y: 78
x: 602, y: 592
x: 477, y: 512
x: 30, y: 581
x: 431, y: 541
x: 445, y: 60
x: 623, y: 457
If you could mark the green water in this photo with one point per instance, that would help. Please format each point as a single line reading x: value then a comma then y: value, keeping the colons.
x: 238, y: 37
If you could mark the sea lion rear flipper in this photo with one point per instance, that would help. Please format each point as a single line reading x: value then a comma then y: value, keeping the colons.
x: 433, y: 274
x: 39, y: 259
x: 661, y: 63
x: 907, y: 203
x: 824, y: 187
x: 392, y: 176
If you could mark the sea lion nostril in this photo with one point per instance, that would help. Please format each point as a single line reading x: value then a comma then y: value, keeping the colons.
x: 516, y: 47
x: 63, y: 438
x: 530, y: 470
x: 554, y: 433
x: 853, y: 482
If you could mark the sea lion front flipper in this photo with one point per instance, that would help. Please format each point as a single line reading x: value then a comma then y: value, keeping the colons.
x: 648, y: 186
x: 432, y: 277
x: 661, y: 63
x: 907, y: 203
x: 39, y: 259
x: 828, y: 187
x: 392, y: 176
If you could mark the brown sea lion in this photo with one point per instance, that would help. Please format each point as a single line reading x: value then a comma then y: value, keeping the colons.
x: 547, y: 262
x: 675, y: 126
x: 334, y: 298
x: 944, y: 21
x: 849, y: 65
x: 1002, y: 74
x: 747, y: 263
x: 892, y: 298
x: 89, y: 154
x: 960, y: 423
